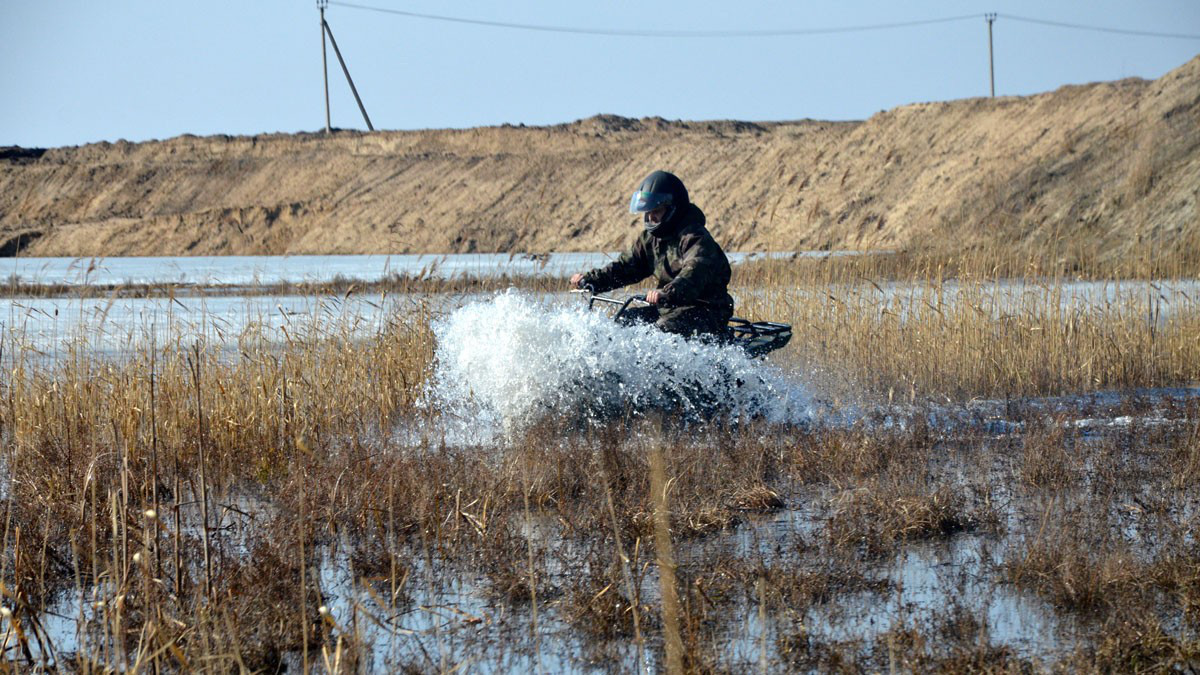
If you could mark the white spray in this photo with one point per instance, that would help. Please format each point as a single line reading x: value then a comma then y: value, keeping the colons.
x: 511, y: 360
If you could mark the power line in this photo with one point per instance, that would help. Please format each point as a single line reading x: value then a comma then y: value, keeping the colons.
x: 612, y: 32
x: 1100, y: 29
x: 774, y: 32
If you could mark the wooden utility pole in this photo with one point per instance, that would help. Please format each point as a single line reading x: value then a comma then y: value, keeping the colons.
x: 327, y: 31
x: 321, y: 5
x: 991, y: 17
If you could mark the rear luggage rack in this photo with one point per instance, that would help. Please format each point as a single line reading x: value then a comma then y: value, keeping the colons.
x: 759, y: 337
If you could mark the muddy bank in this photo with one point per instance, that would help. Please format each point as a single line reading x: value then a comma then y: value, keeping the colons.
x: 1099, y: 171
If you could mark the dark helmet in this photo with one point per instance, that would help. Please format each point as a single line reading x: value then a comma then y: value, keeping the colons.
x: 659, y: 189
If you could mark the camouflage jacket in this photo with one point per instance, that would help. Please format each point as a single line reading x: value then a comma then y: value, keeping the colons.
x: 688, y: 264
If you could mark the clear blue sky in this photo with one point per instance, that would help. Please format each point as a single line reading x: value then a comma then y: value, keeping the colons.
x: 77, y: 71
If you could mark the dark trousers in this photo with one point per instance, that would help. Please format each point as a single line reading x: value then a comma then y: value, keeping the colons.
x: 703, y: 322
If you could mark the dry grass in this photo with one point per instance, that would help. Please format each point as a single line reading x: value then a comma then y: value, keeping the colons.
x: 1118, y: 552
x: 410, y: 284
x: 1050, y: 458
x: 260, y: 465
x: 1141, y: 645
x: 969, y: 335
x: 957, y: 641
x: 881, y: 516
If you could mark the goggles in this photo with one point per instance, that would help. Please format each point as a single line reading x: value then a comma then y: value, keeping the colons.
x: 643, y: 202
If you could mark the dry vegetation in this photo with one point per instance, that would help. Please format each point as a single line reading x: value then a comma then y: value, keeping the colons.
x: 188, y: 509
x: 917, y: 328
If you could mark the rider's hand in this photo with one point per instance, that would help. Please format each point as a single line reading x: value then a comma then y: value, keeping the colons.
x: 576, y: 280
x: 653, y: 296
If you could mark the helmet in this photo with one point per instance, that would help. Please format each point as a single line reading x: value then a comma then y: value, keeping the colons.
x: 658, y: 189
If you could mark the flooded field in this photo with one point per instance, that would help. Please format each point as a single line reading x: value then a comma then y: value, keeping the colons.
x: 934, y: 475
x: 259, y: 271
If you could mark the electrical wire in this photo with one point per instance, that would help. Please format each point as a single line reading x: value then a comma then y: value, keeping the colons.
x: 1100, y: 29
x: 774, y: 32
x: 656, y: 33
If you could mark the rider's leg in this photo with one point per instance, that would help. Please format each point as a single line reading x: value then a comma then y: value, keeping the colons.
x: 638, y: 315
x: 696, y: 322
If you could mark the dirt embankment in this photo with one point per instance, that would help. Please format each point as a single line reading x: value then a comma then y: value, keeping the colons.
x: 1089, y: 172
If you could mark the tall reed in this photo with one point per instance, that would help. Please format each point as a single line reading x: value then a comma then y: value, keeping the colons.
x: 119, y: 469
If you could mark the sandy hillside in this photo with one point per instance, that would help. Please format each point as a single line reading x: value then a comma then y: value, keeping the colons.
x: 1093, y: 170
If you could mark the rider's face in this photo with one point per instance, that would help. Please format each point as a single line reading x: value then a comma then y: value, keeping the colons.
x: 656, y: 216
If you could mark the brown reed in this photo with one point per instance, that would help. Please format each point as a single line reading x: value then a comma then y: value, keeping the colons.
x: 304, y: 431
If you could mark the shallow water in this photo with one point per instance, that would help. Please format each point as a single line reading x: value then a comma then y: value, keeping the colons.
x: 1154, y: 301
x: 113, y: 326
x: 505, y: 360
x: 267, y: 270
x: 445, y: 615
x: 448, y: 613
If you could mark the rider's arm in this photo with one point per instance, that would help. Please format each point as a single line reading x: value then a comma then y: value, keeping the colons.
x: 631, y: 267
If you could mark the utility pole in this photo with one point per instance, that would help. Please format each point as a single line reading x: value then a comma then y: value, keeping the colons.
x: 327, y: 31
x: 991, y: 16
x: 321, y: 5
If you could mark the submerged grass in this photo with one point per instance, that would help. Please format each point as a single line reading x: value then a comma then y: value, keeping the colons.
x: 182, y: 502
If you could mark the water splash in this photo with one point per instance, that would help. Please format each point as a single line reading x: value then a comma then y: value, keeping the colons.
x: 510, y: 360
